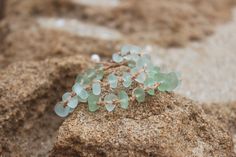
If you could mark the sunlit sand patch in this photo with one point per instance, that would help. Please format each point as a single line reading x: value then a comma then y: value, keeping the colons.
x: 79, y: 28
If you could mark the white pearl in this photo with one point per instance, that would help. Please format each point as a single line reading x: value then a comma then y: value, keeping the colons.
x: 95, y: 58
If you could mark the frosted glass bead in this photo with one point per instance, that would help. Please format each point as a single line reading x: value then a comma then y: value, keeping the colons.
x: 77, y: 88
x: 126, y: 79
x: 92, y: 102
x: 60, y: 110
x: 117, y: 58
x: 109, y: 102
x: 139, y: 94
x: 96, y: 87
x: 83, y: 94
x: 66, y: 96
x: 141, y: 77
x: 168, y: 81
x: 124, y: 99
x: 73, y: 102
x: 113, y: 81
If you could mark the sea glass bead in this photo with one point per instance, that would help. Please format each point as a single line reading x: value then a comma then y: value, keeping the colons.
x: 92, y: 102
x: 127, y: 81
x: 73, y: 102
x: 124, y: 99
x: 109, y: 102
x: 66, y: 96
x: 113, y: 81
x: 139, y: 94
x: 168, y: 82
x: 141, y: 77
x: 117, y: 58
x: 96, y: 87
x: 61, y: 110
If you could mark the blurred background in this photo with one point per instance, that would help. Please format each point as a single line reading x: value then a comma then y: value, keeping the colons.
x: 194, y: 37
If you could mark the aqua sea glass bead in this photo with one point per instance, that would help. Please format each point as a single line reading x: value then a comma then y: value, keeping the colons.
x: 92, y: 102
x: 108, y: 99
x: 139, y: 94
x: 117, y: 58
x: 124, y: 99
x: 83, y: 94
x: 61, y: 110
x: 113, y: 81
x: 66, y: 96
x: 77, y: 88
x: 96, y: 87
x: 73, y: 102
x: 82, y: 100
x: 71, y: 110
x: 130, y: 48
x: 134, y: 70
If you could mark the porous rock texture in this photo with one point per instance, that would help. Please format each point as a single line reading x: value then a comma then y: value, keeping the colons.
x: 164, y: 125
x: 28, y: 91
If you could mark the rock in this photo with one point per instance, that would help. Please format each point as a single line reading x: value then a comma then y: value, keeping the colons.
x: 165, y: 125
x: 27, y: 91
x: 225, y: 114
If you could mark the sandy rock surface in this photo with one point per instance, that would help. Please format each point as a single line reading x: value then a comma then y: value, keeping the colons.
x: 28, y: 91
x: 165, y: 125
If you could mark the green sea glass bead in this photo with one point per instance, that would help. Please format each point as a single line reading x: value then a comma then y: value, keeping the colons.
x: 79, y: 79
x: 96, y: 87
x: 61, y: 110
x: 100, y: 75
x: 152, y: 71
x: 117, y: 58
x: 92, y: 102
x: 91, y: 73
x: 141, y: 77
x: 149, y: 82
x: 127, y: 81
x: 151, y: 92
x: 168, y: 82
x: 124, y: 99
x: 73, y: 102
x: 113, y: 81
x: 139, y: 94
x: 109, y: 102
